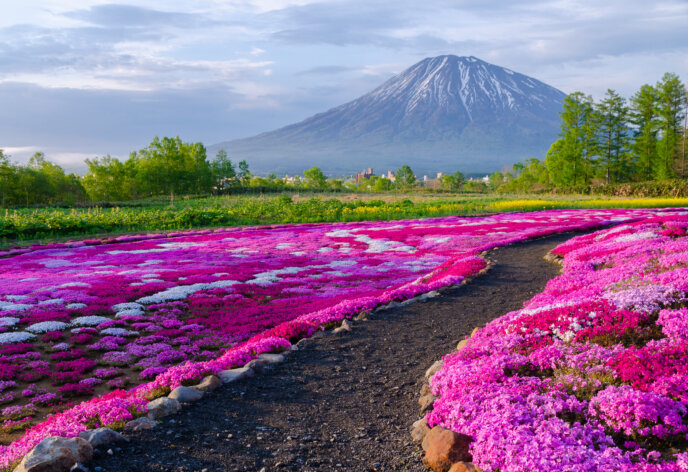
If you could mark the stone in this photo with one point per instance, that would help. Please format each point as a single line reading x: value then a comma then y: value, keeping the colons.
x: 56, y: 454
x: 233, y: 375
x: 433, y: 368
x: 101, y: 436
x: 462, y: 344
x: 185, y: 394
x: 464, y: 467
x: 257, y: 365
x: 346, y: 326
x: 140, y: 424
x: 272, y: 358
x: 208, y: 384
x: 425, y: 389
x: 161, y: 407
x: 475, y: 330
x: 444, y: 447
x: 426, y: 402
x: 419, y: 429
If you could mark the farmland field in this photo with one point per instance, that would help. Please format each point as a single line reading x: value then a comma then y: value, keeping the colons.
x: 138, y: 315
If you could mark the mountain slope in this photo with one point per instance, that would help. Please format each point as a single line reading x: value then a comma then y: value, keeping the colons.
x: 443, y: 114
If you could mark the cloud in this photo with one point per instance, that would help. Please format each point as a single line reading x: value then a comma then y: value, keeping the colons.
x: 129, y: 16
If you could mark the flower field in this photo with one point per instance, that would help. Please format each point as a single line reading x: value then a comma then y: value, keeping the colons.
x: 92, y: 329
x: 592, y: 374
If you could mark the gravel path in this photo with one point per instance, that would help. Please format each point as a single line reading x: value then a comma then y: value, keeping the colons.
x: 344, y: 402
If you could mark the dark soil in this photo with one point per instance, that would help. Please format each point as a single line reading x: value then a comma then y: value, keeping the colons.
x: 344, y: 402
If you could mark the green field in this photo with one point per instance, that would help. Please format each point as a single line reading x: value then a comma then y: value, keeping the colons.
x: 28, y: 226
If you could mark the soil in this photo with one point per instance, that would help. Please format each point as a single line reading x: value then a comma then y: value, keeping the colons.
x: 345, y: 401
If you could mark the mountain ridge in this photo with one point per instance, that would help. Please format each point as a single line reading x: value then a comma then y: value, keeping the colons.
x: 443, y: 113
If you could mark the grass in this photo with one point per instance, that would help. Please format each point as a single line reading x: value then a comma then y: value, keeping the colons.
x: 31, y: 226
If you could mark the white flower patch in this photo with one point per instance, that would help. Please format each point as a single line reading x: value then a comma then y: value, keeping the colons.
x: 127, y: 306
x: 131, y: 312
x: 52, y: 301
x: 283, y: 245
x: 76, y: 306
x: 298, y: 253
x: 141, y: 251
x: 62, y: 347
x: 180, y: 292
x: 180, y: 245
x: 45, y: 326
x: 118, y: 332
x: 18, y: 337
x: 439, y: 240
x: 611, y: 231
x: 9, y: 321
x: 89, y: 320
x: 107, y: 266
x: 637, y: 236
x: 7, y: 306
x: 154, y: 262
x: 28, y: 279
x: 324, y: 249
x: 67, y: 285
x: 220, y: 274
x: 54, y: 263
x: 16, y: 298
x: 150, y: 276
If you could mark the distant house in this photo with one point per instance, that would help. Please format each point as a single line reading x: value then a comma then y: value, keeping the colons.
x: 365, y: 174
x: 390, y: 176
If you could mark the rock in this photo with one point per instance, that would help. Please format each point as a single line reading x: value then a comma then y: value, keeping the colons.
x: 464, y: 467
x: 425, y: 389
x: 100, y: 436
x: 362, y: 316
x: 185, y: 394
x: 56, y: 454
x: 475, y: 330
x: 79, y: 467
x: 426, y: 402
x: 419, y: 429
x: 208, y: 384
x: 257, y: 365
x: 272, y: 358
x: 232, y: 375
x: 139, y: 424
x: 462, y: 344
x: 161, y: 407
x: 346, y: 326
x: 433, y: 368
x: 444, y: 447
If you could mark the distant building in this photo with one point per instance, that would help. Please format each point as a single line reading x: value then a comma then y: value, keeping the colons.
x: 390, y: 175
x: 365, y: 174
x: 439, y: 175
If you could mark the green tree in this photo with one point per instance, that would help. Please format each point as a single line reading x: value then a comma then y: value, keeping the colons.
x: 109, y: 179
x: 669, y: 110
x: 6, y: 178
x: 452, y: 182
x: 383, y: 184
x: 223, y: 171
x: 613, y: 135
x: 570, y: 159
x: 644, y: 147
x: 404, y: 178
x: 315, y: 178
x: 244, y: 173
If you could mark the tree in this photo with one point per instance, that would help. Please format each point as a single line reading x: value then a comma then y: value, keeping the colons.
x: 496, y: 180
x: 244, y: 173
x: 109, y: 179
x: 315, y: 178
x: 222, y: 170
x: 644, y: 147
x: 452, y: 182
x: 404, y: 178
x: 613, y: 135
x: 6, y: 177
x: 383, y: 184
x: 669, y: 110
x: 570, y: 159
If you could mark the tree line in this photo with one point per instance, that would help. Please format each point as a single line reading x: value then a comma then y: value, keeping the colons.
x: 170, y: 166
x: 612, y: 141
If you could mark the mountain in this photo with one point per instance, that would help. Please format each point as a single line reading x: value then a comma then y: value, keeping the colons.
x: 445, y: 113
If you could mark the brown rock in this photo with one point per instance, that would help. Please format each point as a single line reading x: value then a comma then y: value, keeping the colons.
x: 426, y: 402
x: 56, y: 454
x: 419, y: 429
x: 140, y: 424
x: 433, y: 368
x: 462, y: 344
x: 208, y: 384
x: 425, y: 389
x: 475, y: 330
x: 444, y: 447
x: 464, y: 467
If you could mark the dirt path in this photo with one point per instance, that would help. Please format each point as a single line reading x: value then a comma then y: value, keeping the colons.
x: 344, y: 402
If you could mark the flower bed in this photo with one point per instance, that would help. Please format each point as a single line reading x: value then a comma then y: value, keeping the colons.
x: 592, y: 374
x: 78, y: 320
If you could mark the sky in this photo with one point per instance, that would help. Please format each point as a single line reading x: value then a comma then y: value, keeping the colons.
x: 86, y: 78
